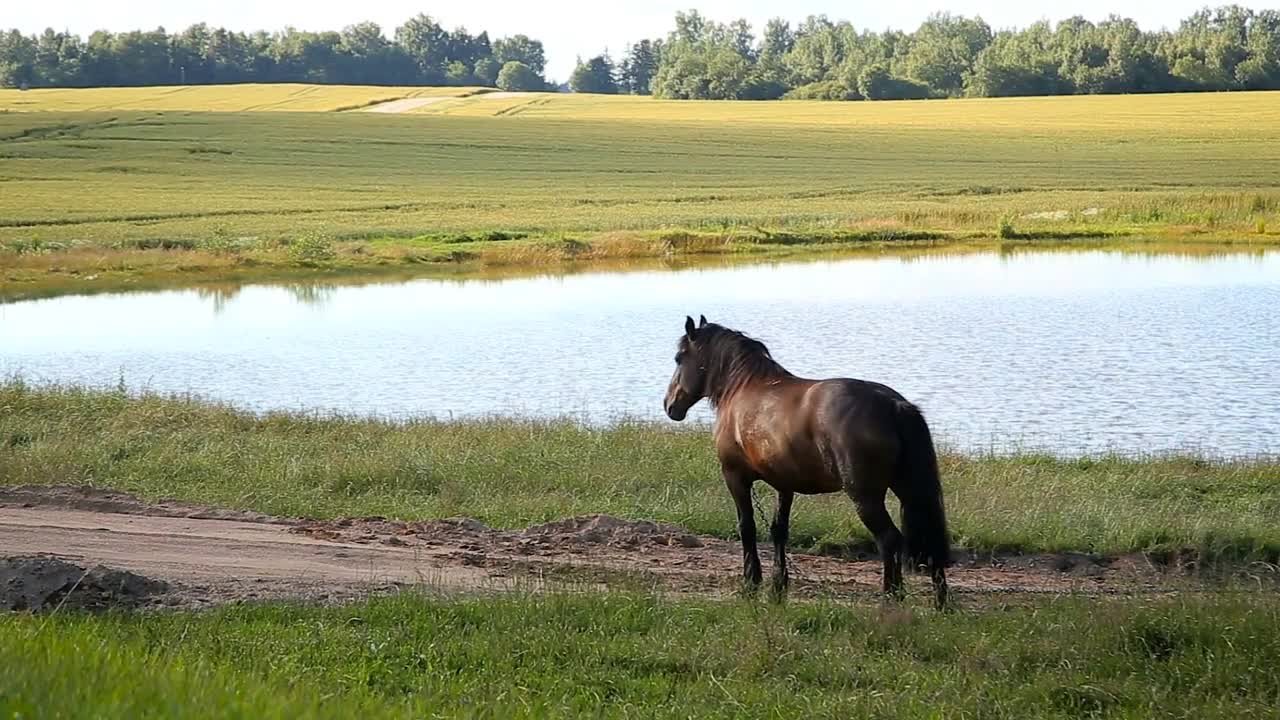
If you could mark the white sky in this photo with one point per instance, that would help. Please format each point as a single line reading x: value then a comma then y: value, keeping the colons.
x: 568, y: 28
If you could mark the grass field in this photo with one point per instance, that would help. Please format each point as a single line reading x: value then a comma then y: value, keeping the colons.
x: 629, y: 656
x: 155, y: 181
x: 517, y: 473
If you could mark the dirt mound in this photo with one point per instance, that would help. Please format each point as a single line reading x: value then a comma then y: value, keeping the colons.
x: 609, y: 530
x: 43, y: 583
x: 121, y: 503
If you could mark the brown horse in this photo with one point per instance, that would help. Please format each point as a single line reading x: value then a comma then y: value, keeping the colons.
x: 814, y: 436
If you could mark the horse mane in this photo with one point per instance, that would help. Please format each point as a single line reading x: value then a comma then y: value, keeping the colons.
x: 731, y: 360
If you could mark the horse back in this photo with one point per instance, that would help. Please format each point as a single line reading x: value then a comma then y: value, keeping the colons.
x: 803, y: 435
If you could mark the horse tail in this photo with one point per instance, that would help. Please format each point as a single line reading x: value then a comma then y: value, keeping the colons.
x: 919, y: 488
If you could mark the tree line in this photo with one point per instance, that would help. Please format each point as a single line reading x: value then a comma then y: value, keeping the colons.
x: 419, y: 52
x: 1227, y: 48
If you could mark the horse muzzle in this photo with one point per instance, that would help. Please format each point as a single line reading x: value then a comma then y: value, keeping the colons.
x: 678, y: 407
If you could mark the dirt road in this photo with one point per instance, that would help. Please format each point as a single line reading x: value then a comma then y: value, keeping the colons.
x: 404, y: 104
x: 206, y: 555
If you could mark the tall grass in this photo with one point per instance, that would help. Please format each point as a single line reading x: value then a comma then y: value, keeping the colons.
x: 620, y: 656
x: 513, y: 473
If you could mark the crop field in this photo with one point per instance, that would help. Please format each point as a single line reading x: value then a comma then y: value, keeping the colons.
x: 281, y: 97
x: 501, y: 178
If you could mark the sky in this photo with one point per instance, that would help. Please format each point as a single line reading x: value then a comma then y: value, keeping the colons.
x: 568, y: 28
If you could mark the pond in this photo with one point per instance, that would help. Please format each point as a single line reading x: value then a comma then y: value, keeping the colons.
x: 1066, y: 352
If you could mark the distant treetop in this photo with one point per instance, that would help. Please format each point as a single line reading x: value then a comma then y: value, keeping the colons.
x: 1228, y: 48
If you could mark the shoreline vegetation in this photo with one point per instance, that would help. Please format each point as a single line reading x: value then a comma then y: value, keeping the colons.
x: 88, y: 269
x: 511, y: 473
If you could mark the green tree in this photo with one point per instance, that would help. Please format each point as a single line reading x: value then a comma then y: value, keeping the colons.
x: 458, y: 74
x: 778, y: 39
x: 596, y: 75
x: 466, y: 48
x: 1082, y: 57
x: 366, y: 56
x: 142, y: 58
x: 704, y: 60
x: 1207, y: 48
x: 639, y: 66
x: 521, y: 49
x: 365, y: 41
x: 682, y: 75
x: 57, y: 59
x: 1016, y: 63
x: 878, y: 83
x: 816, y: 52
x: 518, y: 77
x: 768, y: 77
x: 486, y: 71
x: 191, y: 52
x: 303, y: 56
x: 17, y: 60
x: 427, y: 45
x: 827, y: 90
x: 943, y: 51
x: 1261, y: 69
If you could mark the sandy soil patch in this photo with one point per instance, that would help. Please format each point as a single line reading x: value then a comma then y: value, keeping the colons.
x: 404, y: 104
x: 181, y: 554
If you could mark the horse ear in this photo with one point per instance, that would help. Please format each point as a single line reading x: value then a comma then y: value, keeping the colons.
x: 688, y: 326
x: 702, y: 321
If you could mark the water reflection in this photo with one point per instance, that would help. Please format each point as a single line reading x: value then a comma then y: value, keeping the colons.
x: 315, y: 294
x: 312, y: 294
x: 465, y: 273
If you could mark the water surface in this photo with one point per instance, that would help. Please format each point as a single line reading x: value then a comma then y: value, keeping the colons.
x: 1068, y: 352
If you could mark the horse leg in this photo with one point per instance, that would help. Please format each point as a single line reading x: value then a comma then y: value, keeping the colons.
x: 939, y: 576
x: 740, y: 488
x: 889, y: 539
x: 779, y: 529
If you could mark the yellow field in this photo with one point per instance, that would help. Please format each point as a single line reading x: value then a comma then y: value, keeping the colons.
x: 215, y: 98
x: 1217, y: 115
x: 1226, y: 112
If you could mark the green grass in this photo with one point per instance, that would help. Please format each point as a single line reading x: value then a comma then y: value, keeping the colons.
x: 470, y: 180
x: 629, y: 656
x: 513, y: 473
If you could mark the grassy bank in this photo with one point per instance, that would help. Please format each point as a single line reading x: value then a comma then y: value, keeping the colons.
x: 114, y: 192
x: 633, y: 656
x: 513, y: 473
x: 225, y: 275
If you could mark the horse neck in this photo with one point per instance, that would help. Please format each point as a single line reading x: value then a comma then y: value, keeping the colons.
x: 742, y: 373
